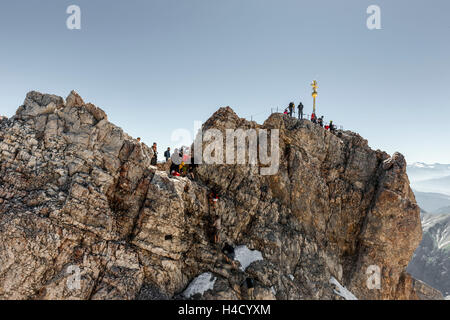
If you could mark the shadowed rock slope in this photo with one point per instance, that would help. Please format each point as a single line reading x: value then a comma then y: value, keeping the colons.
x: 77, y: 194
x: 431, y: 260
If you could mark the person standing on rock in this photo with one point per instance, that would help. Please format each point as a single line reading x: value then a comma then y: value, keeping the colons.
x: 167, y: 154
x: 250, y: 288
x: 217, y: 227
x: 291, y: 108
x: 213, y: 199
x: 300, y: 111
x: 154, y: 160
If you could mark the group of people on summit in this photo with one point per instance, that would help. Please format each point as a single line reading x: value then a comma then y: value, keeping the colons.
x: 182, y: 163
x: 179, y: 161
x: 184, y: 169
x: 290, y: 110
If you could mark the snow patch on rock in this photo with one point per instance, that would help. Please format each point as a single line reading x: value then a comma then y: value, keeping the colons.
x: 246, y: 256
x: 201, y: 284
x: 342, y: 291
x: 272, y: 289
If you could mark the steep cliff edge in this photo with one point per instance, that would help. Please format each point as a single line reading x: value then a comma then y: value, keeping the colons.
x: 78, y: 195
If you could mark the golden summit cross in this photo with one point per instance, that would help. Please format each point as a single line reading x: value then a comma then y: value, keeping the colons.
x: 314, y: 95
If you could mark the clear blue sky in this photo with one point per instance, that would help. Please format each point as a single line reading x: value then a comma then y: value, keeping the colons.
x: 158, y: 65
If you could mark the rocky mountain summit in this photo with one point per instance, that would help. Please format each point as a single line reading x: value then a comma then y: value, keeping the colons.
x: 79, y: 198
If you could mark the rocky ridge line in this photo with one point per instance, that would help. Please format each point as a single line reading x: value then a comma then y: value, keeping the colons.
x: 76, y: 191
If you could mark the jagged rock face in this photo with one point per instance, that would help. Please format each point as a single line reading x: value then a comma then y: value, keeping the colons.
x: 78, y: 193
x: 335, y: 207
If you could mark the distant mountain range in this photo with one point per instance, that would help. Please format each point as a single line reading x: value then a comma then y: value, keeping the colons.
x: 431, y: 261
x: 419, y: 171
x: 433, y: 202
x: 438, y: 185
x: 444, y: 210
x: 433, y: 178
x: 431, y: 185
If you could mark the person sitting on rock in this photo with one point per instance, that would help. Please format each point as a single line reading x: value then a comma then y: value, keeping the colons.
x: 286, y: 111
x: 191, y: 168
x: 174, y: 169
x: 190, y: 172
x: 229, y: 254
x: 320, y: 121
x: 332, y: 126
x: 183, y: 169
